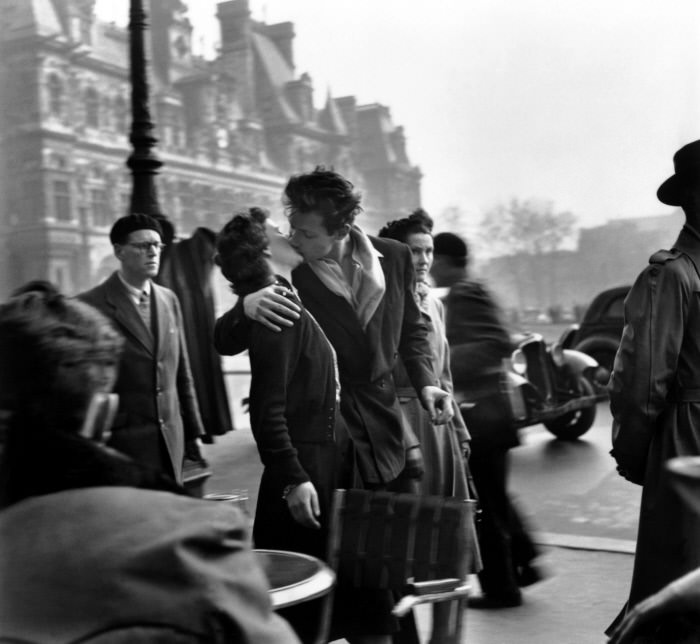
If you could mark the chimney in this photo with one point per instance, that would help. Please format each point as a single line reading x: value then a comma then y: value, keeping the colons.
x: 237, y: 50
x: 282, y: 35
x: 300, y: 94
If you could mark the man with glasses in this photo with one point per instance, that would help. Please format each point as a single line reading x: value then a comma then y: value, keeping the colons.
x: 158, y: 419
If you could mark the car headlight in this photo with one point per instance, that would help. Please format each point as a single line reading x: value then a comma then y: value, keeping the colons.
x: 557, y: 353
x: 519, y: 362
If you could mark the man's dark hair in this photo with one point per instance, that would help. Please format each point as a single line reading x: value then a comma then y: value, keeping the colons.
x: 241, y: 247
x: 418, y: 221
x: 452, y: 247
x: 126, y: 225
x: 326, y: 193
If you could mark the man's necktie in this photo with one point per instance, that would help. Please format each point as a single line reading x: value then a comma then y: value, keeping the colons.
x: 145, y: 309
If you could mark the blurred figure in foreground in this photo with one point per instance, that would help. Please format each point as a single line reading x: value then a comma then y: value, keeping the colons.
x: 655, y: 389
x: 158, y: 420
x: 670, y: 615
x: 294, y: 403
x: 95, y: 544
x: 478, y: 343
x: 445, y: 448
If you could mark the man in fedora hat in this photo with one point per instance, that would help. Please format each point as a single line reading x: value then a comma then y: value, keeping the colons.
x: 655, y: 388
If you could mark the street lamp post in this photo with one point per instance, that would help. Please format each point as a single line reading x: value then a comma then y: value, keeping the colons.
x: 143, y: 161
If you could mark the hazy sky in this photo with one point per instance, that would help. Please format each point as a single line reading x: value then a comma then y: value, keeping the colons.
x: 581, y: 102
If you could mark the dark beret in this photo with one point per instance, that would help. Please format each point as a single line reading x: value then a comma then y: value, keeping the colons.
x: 449, y: 244
x: 126, y: 225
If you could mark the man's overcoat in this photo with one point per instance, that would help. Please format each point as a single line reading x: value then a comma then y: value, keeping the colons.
x: 156, y: 392
x: 655, y: 401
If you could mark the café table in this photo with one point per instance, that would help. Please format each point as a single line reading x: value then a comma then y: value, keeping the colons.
x: 294, y: 577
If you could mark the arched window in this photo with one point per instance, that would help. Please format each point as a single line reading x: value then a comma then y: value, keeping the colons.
x: 55, y: 95
x: 92, y: 107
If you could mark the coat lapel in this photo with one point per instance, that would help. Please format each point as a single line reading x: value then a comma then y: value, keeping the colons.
x: 163, y: 323
x: 312, y: 288
x: 373, y: 331
x: 125, y: 313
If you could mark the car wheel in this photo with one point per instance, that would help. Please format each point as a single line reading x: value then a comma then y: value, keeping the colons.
x: 571, y: 426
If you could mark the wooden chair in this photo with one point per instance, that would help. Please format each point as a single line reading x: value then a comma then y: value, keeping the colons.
x: 419, y: 546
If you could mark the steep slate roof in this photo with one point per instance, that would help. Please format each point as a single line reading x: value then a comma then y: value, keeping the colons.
x: 375, y: 135
x: 278, y: 74
x: 110, y: 44
x: 23, y: 18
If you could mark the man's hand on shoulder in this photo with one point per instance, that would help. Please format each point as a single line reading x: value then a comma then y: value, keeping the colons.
x: 271, y: 307
x: 438, y: 403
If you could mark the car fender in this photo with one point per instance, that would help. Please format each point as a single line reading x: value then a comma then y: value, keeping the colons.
x: 578, y: 361
x: 566, y: 340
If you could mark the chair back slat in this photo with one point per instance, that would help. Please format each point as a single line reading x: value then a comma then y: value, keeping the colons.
x: 380, y: 539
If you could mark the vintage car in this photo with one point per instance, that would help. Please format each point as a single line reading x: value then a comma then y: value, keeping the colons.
x: 600, y: 329
x: 540, y: 383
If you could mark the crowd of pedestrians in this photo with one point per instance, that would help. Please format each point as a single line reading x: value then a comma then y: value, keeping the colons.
x: 361, y: 377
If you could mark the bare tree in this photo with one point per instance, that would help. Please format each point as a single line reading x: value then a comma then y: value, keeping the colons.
x: 531, y: 227
x: 524, y: 231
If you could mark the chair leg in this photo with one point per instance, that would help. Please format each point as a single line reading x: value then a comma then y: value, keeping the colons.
x: 324, y: 626
x: 447, y: 622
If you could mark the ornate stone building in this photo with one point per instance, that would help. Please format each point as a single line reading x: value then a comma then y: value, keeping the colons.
x: 230, y: 132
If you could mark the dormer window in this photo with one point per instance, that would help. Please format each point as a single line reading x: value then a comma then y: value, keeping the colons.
x: 81, y: 30
x: 180, y: 47
x: 55, y: 87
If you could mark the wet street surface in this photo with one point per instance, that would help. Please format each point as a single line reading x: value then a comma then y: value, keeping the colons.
x: 572, y: 488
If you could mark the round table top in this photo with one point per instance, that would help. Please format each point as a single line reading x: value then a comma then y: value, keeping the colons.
x: 294, y: 577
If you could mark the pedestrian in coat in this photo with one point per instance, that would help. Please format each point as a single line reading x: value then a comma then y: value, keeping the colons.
x: 445, y: 448
x: 158, y: 418
x: 187, y: 270
x: 479, y: 341
x: 655, y: 389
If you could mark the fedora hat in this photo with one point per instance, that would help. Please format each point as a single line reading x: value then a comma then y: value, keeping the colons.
x: 686, y: 165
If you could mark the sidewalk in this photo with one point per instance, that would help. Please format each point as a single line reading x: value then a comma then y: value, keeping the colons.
x: 587, y: 584
x: 582, y: 595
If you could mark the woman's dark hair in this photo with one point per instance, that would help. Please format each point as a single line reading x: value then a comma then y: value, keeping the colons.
x: 241, y: 247
x: 418, y: 221
x: 326, y: 193
x: 47, y: 342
